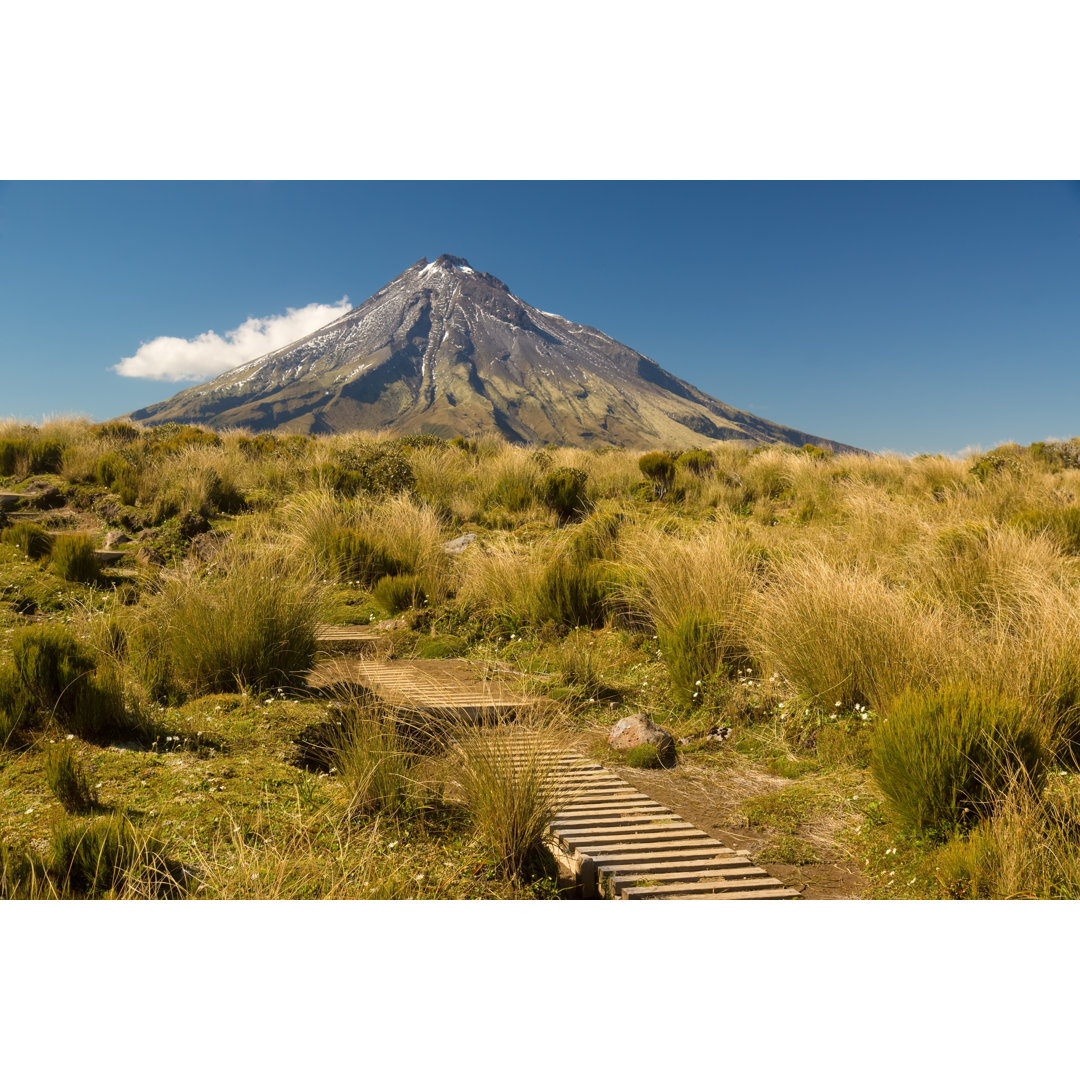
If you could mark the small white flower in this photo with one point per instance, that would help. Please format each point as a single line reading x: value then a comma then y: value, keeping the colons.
x: 837, y: 705
x: 698, y: 683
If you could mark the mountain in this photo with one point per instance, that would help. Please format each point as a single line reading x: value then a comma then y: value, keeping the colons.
x: 449, y: 350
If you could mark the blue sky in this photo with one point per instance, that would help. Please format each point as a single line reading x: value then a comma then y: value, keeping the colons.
x: 919, y: 317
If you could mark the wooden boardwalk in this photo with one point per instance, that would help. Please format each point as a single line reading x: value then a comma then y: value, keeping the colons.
x: 446, y: 689
x: 610, y: 840
x: 349, y: 639
x: 620, y: 844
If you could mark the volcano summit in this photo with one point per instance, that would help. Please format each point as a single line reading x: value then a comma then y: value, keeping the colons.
x: 449, y: 350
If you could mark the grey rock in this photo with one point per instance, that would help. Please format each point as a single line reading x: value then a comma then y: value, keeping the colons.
x: 459, y: 543
x: 638, y: 729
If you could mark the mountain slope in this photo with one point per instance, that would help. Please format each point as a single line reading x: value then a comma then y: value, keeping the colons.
x: 449, y: 350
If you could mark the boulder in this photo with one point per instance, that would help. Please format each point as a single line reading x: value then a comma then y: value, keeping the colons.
x: 459, y: 543
x: 637, y: 730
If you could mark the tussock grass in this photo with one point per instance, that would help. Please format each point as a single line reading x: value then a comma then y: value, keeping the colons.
x: 67, y: 781
x: 363, y: 541
x: 32, y: 540
x: 74, y: 560
x: 109, y: 856
x: 237, y: 622
x: 704, y: 581
x: 943, y: 757
x: 846, y: 635
x: 506, y: 781
x: 1027, y: 849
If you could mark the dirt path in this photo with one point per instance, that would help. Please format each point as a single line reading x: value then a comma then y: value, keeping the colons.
x: 709, y: 800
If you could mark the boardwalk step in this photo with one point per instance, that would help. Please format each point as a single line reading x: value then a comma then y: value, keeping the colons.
x: 760, y: 887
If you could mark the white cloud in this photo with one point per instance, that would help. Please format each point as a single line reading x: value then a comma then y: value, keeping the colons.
x: 172, y: 359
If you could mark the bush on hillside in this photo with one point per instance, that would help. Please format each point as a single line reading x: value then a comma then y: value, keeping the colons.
x: 346, y: 553
x: 942, y: 756
x: 571, y: 592
x: 73, y: 558
x: 659, y: 470
x: 564, y: 492
x: 382, y: 469
x: 241, y: 623
x: 699, y: 462
x: 57, y: 680
x: 399, y: 592
x: 32, y: 540
x: 694, y: 654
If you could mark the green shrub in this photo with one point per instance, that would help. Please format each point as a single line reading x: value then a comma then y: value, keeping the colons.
x: 810, y: 450
x: 257, y: 446
x: 421, y: 442
x: 942, y: 756
x: 50, y: 664
x: 348, y: 554
x: 699, y: 462
x: 382, y: 469
x: 659, y: 470
x: 109, y: 467
x: 73, y: 558
x: 110, y: 856
x: 399, y: 592
x: 66, y: 779
x: 564, y: 492
x: 334, y: 478
x: 171, y: 438
x: 56, y: 680
x: 571, y: 592
x: 645, y: 756
x: 694, y: 654
x: 32, y: 540
x: 116, y: 429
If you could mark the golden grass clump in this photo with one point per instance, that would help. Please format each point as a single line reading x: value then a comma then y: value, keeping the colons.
x: 237, y: 622
x: 845, y: 635
x: 508, y: 784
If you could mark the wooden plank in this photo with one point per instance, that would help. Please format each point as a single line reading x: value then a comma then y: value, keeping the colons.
x: 621, y: 881
x: 661, y: 865
x: 601, y: 851
x: 762, y: 894
x: 582, y: 835
x: 639, y: 892
x: 565, y: 822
